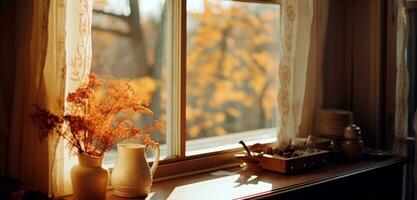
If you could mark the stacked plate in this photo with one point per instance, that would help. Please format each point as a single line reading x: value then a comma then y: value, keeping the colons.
x: 331, y: 123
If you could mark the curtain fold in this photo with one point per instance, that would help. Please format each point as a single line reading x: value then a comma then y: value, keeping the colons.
x: 7, y: 14
x: 68, y: 61
x: 402, y: 82
x: 56, y: 65
x: 78, y: 21
x: 402, y: 87
x: 304, y: 25
x: 53, y: 56
x: 313, y: 98
x: 26, y: 155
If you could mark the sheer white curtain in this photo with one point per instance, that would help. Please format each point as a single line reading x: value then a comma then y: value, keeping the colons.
x: 401, y: 100
x: 402, y: 84
x: 304, y: 26
x: 71, y: 54
x: 53, y: 55
x: 52, y: 39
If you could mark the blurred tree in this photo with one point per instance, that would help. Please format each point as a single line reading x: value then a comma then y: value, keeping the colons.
x: 232, y: 62
x: 231, y: 69
x: 138, y: 40
x: 126, y: 45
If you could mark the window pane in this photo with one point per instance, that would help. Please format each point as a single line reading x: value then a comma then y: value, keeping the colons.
x: 128, y: 39
x: 232, y: 70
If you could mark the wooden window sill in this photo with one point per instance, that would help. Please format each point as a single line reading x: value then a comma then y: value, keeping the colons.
x: 235, y: 185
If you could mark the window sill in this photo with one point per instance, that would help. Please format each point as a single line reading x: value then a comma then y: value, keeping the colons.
x: 234, y: 185
x: 207, y: 154
x: 215, y: 144
x: 227, y: 142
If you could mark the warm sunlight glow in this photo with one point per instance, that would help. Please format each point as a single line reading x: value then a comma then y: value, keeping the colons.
x: 229, y: 187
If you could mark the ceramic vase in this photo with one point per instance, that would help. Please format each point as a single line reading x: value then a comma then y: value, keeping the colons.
x: 89, y: 178
x: 131, y: 176
x: 352, y: 149
x: 352, y: 145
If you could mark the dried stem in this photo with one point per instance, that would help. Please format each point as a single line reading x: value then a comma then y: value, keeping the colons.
x: 89, y: 123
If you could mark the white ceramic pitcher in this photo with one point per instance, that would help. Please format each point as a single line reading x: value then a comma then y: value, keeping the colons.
x: 131, y: 176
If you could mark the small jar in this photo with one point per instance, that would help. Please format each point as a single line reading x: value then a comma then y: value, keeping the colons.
x: 352, y: 145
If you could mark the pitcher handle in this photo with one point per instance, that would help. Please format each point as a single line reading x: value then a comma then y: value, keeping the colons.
x: 156, y: 162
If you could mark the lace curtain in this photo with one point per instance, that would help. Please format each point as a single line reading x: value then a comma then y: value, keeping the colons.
x: 304, y: 26
x: 401, y: 100
x: 53, y: 56
x: 72, y: 51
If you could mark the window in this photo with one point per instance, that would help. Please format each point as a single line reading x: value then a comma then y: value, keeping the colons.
x: 128, y: 39
x: 232, y: 67
x: 209, y: 67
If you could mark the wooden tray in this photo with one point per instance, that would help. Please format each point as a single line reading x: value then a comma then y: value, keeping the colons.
x: 295, y: 164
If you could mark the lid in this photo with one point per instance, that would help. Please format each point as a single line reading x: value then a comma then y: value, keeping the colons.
x: 353, y: 132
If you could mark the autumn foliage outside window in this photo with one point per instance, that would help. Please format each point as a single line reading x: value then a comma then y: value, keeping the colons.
x: 232, y: 67
x: 232, y: 60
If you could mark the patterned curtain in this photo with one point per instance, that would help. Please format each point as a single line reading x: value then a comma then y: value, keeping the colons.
x: 71, y: 55
x: 401, y: 100
x: 304, y: 25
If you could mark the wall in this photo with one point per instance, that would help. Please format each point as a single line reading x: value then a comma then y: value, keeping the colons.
x: 354, y: 63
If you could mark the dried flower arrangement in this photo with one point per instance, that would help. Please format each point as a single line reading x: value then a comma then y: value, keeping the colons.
x: 98, y: 115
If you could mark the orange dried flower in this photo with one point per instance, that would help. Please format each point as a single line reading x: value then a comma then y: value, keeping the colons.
x: 98, y: 114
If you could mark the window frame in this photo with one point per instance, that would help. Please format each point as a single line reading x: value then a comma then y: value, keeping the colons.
x: 179, y: 164
x: 182, y: 165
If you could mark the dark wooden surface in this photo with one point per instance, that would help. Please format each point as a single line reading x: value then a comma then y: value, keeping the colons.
x: 365, y: 179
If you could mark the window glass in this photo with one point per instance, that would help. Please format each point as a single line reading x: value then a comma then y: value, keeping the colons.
x: 128, y: 41
x: 232, y: 70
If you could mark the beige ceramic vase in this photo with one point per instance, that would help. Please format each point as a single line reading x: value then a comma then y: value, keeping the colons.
x: 89, y: 179
x: 131, y: 176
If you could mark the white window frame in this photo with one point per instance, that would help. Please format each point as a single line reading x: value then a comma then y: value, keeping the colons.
x: 180, y: 164
x: 177, y: 163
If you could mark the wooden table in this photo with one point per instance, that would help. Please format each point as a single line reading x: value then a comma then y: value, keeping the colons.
x: 365, y: 179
